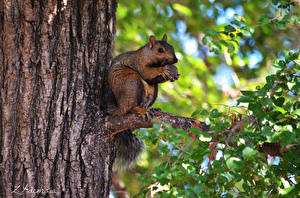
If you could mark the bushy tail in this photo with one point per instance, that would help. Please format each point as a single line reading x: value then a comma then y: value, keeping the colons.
x: 128, y: 148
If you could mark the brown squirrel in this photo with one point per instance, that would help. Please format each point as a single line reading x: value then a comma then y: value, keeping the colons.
x: 133, y: 78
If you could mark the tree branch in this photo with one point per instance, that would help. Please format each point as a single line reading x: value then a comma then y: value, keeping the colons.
x: 178, y: 122
x: 117, y: 124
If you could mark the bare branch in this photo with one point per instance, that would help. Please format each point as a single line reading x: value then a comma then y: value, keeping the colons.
x: 178, y: 122
x: 116, y: 124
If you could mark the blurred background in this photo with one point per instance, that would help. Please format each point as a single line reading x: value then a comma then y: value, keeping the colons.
x: 222, y: 46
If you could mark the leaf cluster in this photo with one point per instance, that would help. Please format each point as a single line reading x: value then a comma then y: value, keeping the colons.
x: 256, y: 49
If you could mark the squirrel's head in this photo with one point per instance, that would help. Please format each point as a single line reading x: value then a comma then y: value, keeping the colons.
x: 162, y: 52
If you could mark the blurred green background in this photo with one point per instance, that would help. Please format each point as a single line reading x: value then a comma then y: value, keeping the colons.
x: 223, y: 47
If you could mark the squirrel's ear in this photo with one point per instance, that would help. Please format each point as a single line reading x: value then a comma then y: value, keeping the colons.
x: 152, y: 41
x: 164, y: 38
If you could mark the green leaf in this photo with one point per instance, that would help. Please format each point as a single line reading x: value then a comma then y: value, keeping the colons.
x: 270, y: 81
x: 248, y: 93
x: 297, y: 112
x: 223, y: 42
x: 266, y: 101
x: 255, y: 107
x: 198, y: 188
x: 266, y: 130
x: 233, y: 162
x: 181, y: 132
x: 245, y: 99
x: 215, y: 113
x: 230, y: 47
x: 286, y: 191
x: 121, y: 12
x: 279, y: 101
x: 196, y: 131
x: 205, y: 40
x: 275, y: 2
x: 195, y: 113
x: 285, y: 19
x: 264, y: 20
x: 286, y: 137
x: 182, y: 9
x: 204, y: 112
x: 262, y: 91
x: 291, y: 85
x: 281, y: 110
x: 297, y: 62
x: 205, y: 137
x: 281, y: 26
x: 282, y: 63
x: 210, y: 32
x: 229, y: 28
x: 236, y: 22
x: 249, y: 152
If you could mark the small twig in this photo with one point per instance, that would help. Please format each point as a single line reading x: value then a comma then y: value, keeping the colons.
x: 229, y: 132
x: 272, y: 91
x: 185, y: 148
x: 228, y: 112
x: 280, y: 15
x: 169, y: 158
x: 241, y: 122
x: 273, y: 19
x: 223, y: 154
x: 181, y: 149
x: 228, y: 139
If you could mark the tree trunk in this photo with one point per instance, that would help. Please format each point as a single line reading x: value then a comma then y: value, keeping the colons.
x: 54, y: 56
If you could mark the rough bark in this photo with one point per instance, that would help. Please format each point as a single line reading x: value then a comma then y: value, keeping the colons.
x: 54, y: 56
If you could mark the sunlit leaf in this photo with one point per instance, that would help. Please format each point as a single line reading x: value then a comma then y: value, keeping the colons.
x: 205, y: 137
x: 182, y: 9
x: 249, y: 152
x: 233, y: 162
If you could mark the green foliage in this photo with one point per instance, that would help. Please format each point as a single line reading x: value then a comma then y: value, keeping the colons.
x: 195, y: 164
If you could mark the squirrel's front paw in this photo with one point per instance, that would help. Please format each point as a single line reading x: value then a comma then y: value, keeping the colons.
x: 171, y: 72
x: 143, y: 112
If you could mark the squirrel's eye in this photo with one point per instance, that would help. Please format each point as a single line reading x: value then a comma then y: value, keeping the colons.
x: 160, y: 50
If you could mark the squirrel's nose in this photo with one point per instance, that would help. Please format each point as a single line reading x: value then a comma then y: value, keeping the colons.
x: 175, y: 60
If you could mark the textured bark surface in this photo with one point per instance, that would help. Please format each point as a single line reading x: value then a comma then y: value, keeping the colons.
x: 53, y: 56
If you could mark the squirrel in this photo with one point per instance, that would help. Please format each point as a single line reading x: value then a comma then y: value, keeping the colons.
x: 133, y: 79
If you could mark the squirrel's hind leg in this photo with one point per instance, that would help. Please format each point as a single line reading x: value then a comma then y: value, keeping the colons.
x: 129, y: 95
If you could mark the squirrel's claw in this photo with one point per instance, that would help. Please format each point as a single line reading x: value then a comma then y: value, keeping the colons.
x: 143, y: 112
